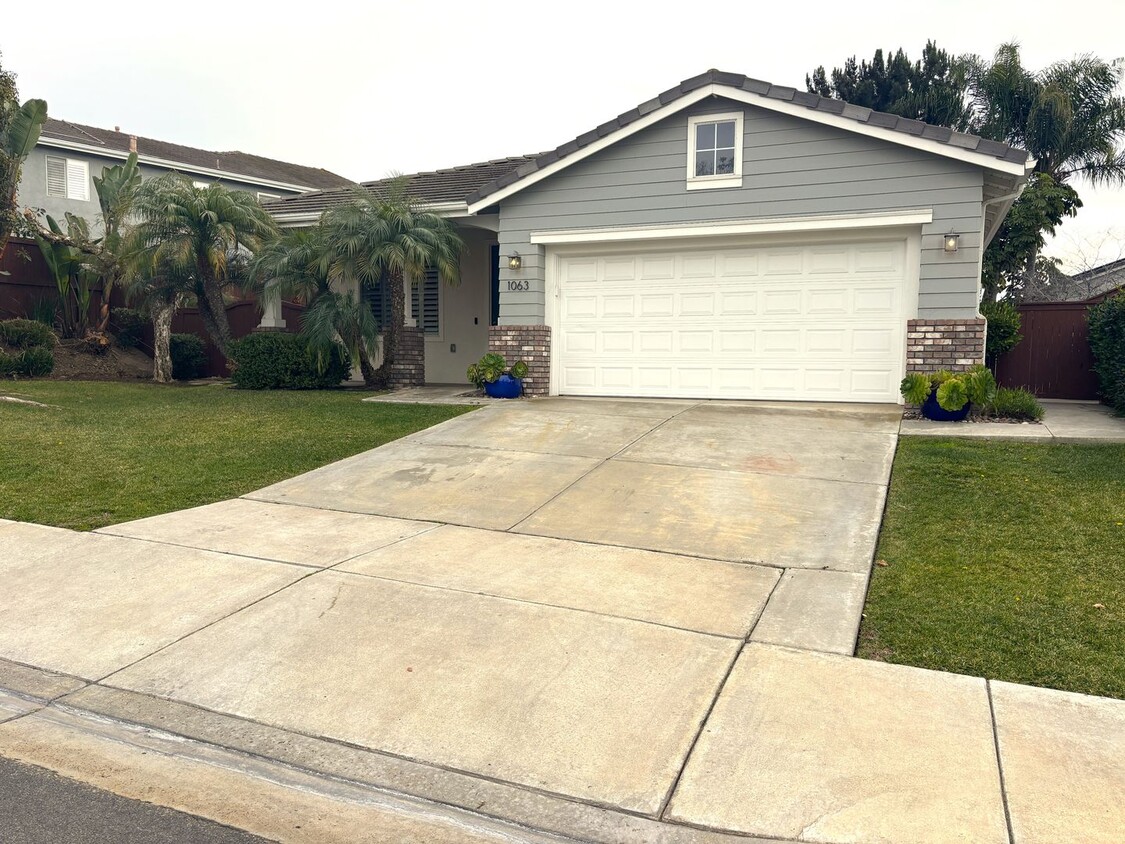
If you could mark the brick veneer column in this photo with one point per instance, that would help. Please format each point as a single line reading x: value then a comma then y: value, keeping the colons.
x: 953, y: 344
x: 532, y: 345
x: 409, y: 368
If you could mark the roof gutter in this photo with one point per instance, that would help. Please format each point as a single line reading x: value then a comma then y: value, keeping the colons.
x: 1008, y: 199
x: 168, y: 164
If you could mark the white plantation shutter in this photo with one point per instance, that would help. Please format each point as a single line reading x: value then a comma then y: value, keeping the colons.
x: 77, y: 180
x: 424, y: 302
x: 56, y: 176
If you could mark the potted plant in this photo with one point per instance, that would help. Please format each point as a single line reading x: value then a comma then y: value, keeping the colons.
x: 949, y: 396
x: 492, y: 374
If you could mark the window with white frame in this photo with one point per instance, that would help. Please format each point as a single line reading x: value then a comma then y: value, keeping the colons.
x: 715, y: 151
x: 68, y: 178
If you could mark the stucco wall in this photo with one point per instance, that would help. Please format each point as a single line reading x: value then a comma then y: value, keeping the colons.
x: 791, y: 167
x: 464, y: 310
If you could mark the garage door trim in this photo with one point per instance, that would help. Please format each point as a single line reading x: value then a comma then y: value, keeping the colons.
x: 555, y: 254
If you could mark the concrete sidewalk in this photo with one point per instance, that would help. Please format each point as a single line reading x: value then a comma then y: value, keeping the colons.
x: 1064, y: 421
x: 584, y: 631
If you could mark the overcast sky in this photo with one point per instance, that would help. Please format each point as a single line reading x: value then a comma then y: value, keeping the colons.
x: 385, y: 87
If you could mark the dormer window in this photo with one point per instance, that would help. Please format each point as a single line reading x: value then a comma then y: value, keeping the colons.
x: 715, y: 151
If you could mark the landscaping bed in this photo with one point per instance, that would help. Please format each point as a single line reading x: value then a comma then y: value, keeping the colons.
x: 1004, y: 560
x: 100, y: 453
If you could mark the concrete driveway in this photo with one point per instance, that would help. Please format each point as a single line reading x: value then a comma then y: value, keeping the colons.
x: 611, y: 620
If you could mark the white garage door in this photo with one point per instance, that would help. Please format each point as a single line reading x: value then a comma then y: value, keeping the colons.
x: 813, y: 322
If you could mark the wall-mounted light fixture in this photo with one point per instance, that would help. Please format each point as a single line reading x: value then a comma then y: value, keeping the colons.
x: 951, y: 242
x: 515, y: 261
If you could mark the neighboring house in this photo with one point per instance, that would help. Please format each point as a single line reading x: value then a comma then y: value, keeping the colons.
x: 58, y: 174
x: 727, y: 239
x: 1092, y: 284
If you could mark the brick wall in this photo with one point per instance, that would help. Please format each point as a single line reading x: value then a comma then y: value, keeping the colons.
x: 409, y: 368
x: 953, y: 344
x: 532, y: 345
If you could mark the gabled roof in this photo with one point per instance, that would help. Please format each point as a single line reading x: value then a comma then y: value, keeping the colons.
x: 255, y: 167
x: 434, y: 187
x: 754, y: 91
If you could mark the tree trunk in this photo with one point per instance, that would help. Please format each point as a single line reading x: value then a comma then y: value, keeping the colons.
x: 392, y: 331
x: 162, y: 341
x: 213, y: 311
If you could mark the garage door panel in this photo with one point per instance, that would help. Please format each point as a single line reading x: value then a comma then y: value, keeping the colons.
x: 770, y: 322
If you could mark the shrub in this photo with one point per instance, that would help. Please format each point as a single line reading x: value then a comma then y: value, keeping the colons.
x: 273, y: 360
x: 954, y: 389
x: 26, y: 333
x: 189, y: 356
x: 35, y: 362
x: 128, y: 327
x: 9, y: 364
x: 1003, y: 327
x: 1012, y: 403
x: 490, y: 367
x: 44, y: 309
x: 1107, y: 341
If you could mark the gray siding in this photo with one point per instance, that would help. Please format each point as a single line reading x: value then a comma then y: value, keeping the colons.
x: 33, y: 183
x: 790, y: 167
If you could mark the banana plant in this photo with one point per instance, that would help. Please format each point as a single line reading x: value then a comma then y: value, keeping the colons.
x: 17, y: 139
x: 67, y: 268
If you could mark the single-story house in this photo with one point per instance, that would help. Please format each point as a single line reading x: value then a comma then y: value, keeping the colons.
x: 727, y: 239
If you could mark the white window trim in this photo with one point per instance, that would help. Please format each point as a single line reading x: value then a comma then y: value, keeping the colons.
x: 722, y: 180
x: 70, y: 191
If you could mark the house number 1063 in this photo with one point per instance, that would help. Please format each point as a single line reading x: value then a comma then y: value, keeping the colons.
x: 523, y: 284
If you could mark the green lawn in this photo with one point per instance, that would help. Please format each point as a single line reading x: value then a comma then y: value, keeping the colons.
x: 1005, y: 560
x: 109, y: 452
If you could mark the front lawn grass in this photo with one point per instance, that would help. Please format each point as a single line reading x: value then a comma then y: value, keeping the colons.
x: 1004, y: 560
x: 108, y: 452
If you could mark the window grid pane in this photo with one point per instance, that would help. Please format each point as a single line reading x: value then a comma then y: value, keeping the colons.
x: 715, y: 148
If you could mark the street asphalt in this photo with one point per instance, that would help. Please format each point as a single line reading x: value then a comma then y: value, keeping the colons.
x: 40, y: 807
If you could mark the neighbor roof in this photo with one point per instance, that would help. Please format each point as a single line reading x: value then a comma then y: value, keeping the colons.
x: 431, y: 187
x: 1104, y: 279
x: 813, y: 102
x: 239, y: 163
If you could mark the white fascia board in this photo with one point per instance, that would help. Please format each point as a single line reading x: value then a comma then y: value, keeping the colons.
x: 846, y: 124
x: 720, y: 228
x: 301, y: 218
x: 167, y: 164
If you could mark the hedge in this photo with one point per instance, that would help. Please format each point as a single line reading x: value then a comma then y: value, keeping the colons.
x: 272, y: 360
x: 189, y: 356
x: 26, y: 334
x: 1107, y: 341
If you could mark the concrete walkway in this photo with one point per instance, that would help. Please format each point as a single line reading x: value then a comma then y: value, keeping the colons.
x: 1064, y: 421
x: 543, y: 621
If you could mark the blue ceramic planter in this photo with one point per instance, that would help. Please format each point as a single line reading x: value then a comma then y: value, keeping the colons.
x: 504, y: 387
x: 932, y: 410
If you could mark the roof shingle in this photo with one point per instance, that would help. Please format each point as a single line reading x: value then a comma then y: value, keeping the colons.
x: 242, y: 163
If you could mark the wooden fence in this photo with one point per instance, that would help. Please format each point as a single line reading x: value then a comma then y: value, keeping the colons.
x: 28, y: 281
x: 1053, y: 360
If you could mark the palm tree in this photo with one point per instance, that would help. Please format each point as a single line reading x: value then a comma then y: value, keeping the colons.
x: 199, y: 233
x: 388, y: 238
x: 367, y: 241
x: 159, y: 296
x: 302, y: 264
x: 1070, y: 118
